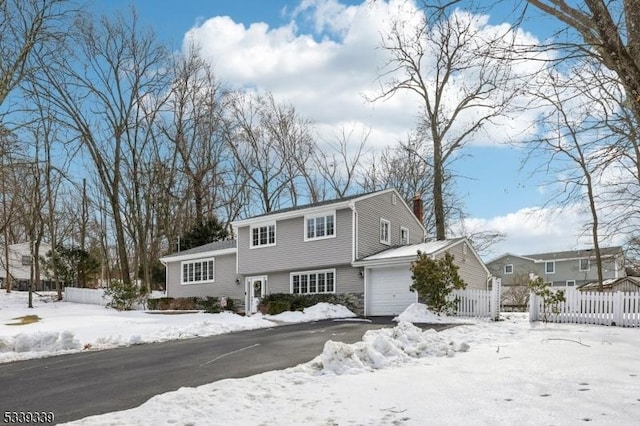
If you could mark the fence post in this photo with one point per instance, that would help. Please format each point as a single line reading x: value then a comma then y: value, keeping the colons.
x: 618, y: 308
x: 534, y: 308
x: 494, y: 303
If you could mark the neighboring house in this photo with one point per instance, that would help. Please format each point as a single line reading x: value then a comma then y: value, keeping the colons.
x: 20, y: 265
x: 302, y: 250
x: 558, y: 269
x: 624, y: 284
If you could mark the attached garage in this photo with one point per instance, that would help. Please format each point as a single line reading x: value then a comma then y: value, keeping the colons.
x: 387, y: 275
x: 387, y: 291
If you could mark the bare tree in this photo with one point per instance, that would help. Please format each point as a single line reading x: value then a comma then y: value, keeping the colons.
x: 338, y: 162
x: 27, y: 25
x: 98, y: 89
x: 611, y: 32
x: 195, y: 128
x: 459, y: 72
x: 266, y: 138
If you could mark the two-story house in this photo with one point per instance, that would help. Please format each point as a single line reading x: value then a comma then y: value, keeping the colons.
x: 322, y: 247
x: 558, y: 269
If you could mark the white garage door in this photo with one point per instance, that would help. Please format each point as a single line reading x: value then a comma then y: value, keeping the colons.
x: 388, y: 290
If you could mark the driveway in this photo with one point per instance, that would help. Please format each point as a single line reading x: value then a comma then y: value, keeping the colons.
x: 83, y: 384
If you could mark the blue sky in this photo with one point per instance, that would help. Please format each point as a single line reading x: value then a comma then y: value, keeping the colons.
x: 331, y: 46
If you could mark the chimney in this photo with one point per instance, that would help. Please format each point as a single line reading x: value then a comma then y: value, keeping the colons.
x: 417, y: 206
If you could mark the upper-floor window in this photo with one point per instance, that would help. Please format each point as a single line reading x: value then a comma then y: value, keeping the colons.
x: 585, y: 264
x: 508, y: 269
x: 550, y: 267
x: 385, y: 231
x: 322, y: 226
x: 198, y: 271
x: 263, y: 235
x: 404, y: 235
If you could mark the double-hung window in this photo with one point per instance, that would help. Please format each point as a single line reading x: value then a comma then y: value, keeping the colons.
x: 263, y: 235
x: 550, y: 267
x: 320, y: 226
x: 385, y: 231
x: 198, y: 271
x: 313, y: 282
x: 404, y: 236
x: 585, y: 264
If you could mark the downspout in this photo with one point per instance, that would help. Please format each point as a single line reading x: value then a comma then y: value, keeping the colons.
x: 354, y: 231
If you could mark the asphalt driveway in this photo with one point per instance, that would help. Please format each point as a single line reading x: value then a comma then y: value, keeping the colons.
x: 83, y: 384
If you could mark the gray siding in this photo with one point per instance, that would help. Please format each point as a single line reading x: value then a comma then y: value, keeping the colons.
x: 348, y: 279
x: 224, y: 285
x: 470, y: 267
x: 564, y: 270
x: 371, y: 210
x: 291, y: 252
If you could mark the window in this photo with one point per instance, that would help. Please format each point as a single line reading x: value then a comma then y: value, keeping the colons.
x: 27, y: 260
x: 404, y: 235
x: 571, y: 283
x: 318, y: 227
x: 313, y: 282
x: 550, y: 267
x: 508, y: 269
x: 198, y: 271
x: 263, y: 236
x: 385, y: 230
x: 585, y: 264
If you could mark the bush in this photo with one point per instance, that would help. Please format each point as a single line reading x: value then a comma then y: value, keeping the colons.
x: 209, y: 304
x: 551, y: 299
x: 123, y: 296
x: 435, y: 280
x: 277, y: 303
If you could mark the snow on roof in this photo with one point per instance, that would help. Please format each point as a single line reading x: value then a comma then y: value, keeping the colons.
x: 431, y: 247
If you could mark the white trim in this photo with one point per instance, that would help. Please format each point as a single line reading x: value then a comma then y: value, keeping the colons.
x: 196, y: 256
x: 318, y: 215
x: 505, y: 269
x: 546, y: 272
x: 263, y: 225
x: 566, y: 283
x: 588, y: 264
x: 314, y: 272
x: 201, y: 262
x: 388, y: 227
x: 404, y: 228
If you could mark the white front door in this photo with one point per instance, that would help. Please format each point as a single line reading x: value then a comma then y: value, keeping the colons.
x: 255, y: 291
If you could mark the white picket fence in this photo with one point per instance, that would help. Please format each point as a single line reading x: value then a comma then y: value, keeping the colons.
x: 479, y: 303
x: 621, y: 309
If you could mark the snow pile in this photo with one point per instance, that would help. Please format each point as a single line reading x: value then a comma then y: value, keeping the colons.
x: 419, y: 313
x: 314, y: 313
x: 39, y: 342
x: 384, y: 348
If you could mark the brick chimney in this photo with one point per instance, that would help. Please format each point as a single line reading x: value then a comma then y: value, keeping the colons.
x: 417, y: 206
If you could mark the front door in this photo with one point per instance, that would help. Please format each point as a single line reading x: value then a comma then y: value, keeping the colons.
x: 255, y: 291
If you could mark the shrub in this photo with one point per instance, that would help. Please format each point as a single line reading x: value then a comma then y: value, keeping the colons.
x: 435, y: 280
x: 551, y: 299
x: 123, y: 296
x: 277, y: 303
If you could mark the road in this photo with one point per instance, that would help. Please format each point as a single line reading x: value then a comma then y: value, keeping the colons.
x: 88, y: 383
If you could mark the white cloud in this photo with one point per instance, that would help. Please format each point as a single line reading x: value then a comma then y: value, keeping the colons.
x: 327, y: 74
x: 541, y: 229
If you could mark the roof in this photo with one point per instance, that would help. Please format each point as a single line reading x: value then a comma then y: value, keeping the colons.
x: 575, y: 254
x: 609, y: 283
x: 564, y: 255
x: 222, y: 247
x: 432, y: 247
x: 338, y: 203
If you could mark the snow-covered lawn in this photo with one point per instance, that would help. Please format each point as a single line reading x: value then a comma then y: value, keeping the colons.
x: 509, y: 372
